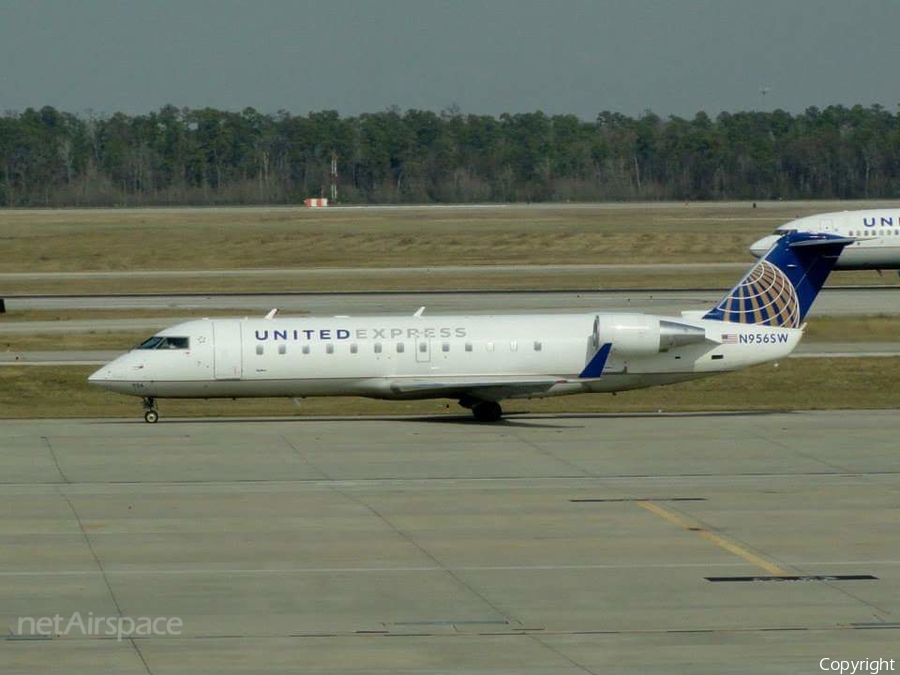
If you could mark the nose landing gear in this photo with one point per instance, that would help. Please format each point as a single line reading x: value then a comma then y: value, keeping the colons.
x: 150, y: 412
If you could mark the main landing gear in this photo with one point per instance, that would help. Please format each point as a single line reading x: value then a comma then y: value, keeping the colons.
x: 150, y: 412
x: 484, y: 411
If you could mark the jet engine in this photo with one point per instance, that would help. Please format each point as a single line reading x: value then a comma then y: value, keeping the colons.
x: 641, y: 335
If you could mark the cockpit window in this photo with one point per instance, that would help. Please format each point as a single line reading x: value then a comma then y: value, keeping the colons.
x: 150, y: 343
x: 165, y: 342
x: 174, y: 343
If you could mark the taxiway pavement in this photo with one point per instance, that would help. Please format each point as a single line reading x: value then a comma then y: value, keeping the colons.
x: 701, y: 543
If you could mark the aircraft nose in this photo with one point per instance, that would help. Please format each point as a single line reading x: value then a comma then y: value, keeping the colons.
x: 760, y: 247
x: 100, y: 377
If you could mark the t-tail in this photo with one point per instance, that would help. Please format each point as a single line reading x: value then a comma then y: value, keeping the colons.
x: 780, y: 289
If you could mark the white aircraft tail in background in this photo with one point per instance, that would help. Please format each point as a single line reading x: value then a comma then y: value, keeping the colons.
x: 876, y: 235
x: 481, y: 360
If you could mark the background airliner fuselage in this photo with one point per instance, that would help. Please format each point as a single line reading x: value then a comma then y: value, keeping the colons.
x: 877, y: 234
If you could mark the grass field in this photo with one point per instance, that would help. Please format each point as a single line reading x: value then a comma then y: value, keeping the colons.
x: 814, y: 384
x: 172, y: 239
x: 300, y: 238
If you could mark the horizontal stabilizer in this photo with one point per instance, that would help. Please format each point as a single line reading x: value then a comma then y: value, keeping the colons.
x: 843, y: 241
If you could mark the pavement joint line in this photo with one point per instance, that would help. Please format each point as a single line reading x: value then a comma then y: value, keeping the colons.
x: 405, y: 570
x: 102, y: 572
x: 55, y: 459
x: 534, y: 637
x: 454, y: 574
x: 550, y: 455
x: 304, y: 457
x: 453, y: 483
x: 787, y: 448
x: 716, y: 539
x: 468, y: 635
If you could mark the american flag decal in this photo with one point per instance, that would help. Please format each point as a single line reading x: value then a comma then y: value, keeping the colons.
x: 729, y: 338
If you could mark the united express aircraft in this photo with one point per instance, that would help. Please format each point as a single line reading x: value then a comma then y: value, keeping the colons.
x: 481, y: 360
x: 876, y: 233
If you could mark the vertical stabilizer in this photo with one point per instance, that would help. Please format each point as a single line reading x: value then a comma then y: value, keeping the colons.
x: 780, y: 289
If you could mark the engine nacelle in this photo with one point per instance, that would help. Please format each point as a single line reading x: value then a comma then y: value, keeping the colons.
x: 641, y: 335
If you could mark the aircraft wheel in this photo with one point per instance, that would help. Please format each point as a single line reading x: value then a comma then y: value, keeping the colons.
x: 488, y: 411
x: 151, y: 416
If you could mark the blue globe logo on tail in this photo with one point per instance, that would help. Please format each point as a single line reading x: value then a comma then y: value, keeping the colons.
x: 779, y: 290
x: 765, y: 297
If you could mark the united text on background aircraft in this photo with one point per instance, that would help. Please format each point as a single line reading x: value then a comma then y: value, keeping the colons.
x: 481, y: 360
x: 876, y: 231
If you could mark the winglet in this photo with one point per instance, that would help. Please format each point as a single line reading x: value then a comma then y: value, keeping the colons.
x: 595, y: 367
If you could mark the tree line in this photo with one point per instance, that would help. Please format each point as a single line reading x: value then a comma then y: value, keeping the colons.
x: 206, y: 156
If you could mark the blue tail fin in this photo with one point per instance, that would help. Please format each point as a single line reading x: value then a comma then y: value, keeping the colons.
x: 781, y: 287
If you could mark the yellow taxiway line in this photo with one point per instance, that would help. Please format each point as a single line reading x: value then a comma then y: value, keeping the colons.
x: 716, y: 539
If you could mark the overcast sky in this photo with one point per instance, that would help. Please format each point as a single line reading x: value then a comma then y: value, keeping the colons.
x: 673, y: 57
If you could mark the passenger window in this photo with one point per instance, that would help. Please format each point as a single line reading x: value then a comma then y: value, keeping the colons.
x: 329, y: 348
x: 514, y: 346
x: 445, y: 347
x: 377, y: 347
x: 354, y: 348
x: 468, y: 346
x: 400, y: 347
x: 282, y: 349
x: 537, y: 345
x: 305, y: 349
x: 423, y: 347
x: 259, y: 350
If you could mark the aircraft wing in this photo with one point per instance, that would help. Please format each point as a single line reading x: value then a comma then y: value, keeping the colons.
x: 487, y: 388
x: 497, y: 387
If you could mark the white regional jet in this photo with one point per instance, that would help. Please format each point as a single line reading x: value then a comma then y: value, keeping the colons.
x: 481, y: 360
x: 876, y: 231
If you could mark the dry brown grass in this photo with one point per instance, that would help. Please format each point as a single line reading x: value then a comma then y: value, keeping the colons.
x: 879, y: 328
x: 299, y: 238
x: 794, y: 384
x: 74, y: 341
x: 172, y: 239
x: 84, y: 314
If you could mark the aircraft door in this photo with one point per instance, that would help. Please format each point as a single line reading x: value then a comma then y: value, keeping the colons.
x: 423, y: 350
x: 228, y: 356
